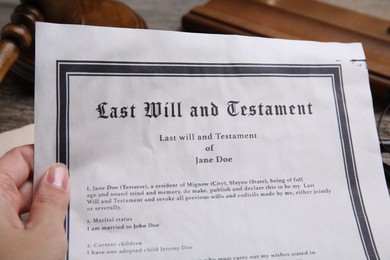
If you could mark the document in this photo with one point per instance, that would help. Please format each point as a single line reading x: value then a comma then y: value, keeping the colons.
x: 201, y: 147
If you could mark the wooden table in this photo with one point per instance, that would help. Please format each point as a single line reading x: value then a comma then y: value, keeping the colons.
x: 17, y: 100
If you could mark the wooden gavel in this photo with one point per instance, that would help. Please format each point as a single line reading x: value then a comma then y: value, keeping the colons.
x: 17, y: 38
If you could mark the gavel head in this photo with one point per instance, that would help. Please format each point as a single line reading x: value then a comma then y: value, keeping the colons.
x: 58, y: 11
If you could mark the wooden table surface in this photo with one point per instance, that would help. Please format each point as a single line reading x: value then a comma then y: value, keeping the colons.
x: 17, y: 99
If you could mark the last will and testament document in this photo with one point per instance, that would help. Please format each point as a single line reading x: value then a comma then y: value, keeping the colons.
x: 193, y: 146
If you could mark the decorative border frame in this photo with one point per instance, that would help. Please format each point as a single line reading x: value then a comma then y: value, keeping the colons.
x: 68, y: 69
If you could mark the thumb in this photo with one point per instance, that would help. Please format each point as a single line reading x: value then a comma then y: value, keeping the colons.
x: 51, y: 199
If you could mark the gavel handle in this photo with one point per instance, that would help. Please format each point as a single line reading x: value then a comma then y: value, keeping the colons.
x: 17, y: 36
x: 9, y: 54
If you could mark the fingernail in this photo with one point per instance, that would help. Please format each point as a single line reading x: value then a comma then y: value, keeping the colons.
x: 58, y: 176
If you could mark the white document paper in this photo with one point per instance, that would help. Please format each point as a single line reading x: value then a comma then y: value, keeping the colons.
x: 195, y: 146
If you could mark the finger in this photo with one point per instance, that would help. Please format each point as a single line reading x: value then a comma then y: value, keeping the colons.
x: 18, y: 164
x: 51, y: 199
x: 10, y: 201
x: 26, y: 191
